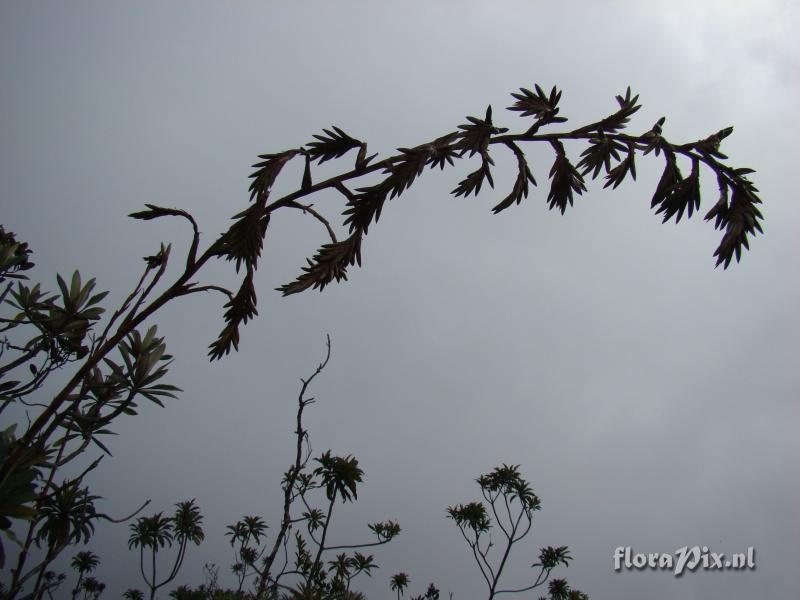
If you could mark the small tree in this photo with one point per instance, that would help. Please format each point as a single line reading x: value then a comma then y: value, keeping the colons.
x: 84, y: 563
x: 432, y: 593
x: 512, y: 504
x: 92, y: 588
x: 246, y: 532
x: 307, y: 526
x: 157, y: 532
x: 509, y: 496
x: 399, y: 582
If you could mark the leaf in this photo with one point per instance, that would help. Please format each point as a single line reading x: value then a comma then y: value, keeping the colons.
x: 617, y: 174
x: 240, y: 309
x: 474, y: 137
x: 160, y: 258
x: 365, y: 207
x: 565, y: 180
x: 741, y: 219
x: 719, y: 211
x: 599, y: 154
x: 76, y: 287
x: 102, y: 446
x: 538, y: 105
x: 617, y: 120
x: 472, y: 183
x: 669, y: 178
x: 334, y: 144
x: 520, y: 188
x: 404, y: 171
x: 328, y: 264
x: 676, y: 195
x: 267, y: 171
x: 652, y: 140
x: 441, y: 151
x: 244, y: 239
x: 155, y: 212
x: 13, y: 256
x: 96, y: 298
x: 64, y: 290
x: 710, y: 145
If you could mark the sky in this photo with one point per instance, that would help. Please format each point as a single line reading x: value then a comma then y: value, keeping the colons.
x: 649, y: 398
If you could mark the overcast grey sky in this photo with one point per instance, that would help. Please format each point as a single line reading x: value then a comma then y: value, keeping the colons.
x: 650, y: 399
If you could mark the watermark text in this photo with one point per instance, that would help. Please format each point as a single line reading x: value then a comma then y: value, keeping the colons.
x: 687, y: 558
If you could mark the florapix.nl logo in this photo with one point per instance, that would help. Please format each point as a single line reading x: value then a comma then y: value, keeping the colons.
x: 687, y: 558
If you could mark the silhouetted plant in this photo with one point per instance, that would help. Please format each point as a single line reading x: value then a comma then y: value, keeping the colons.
x: 339, y: 477
x: 157, y: 532
x: 120, y: 364
x: 608, y: 150
x: 84, y: 563
x: 399, y: 582
x: 92, y: 588
x: 48, y: 332
x: 66, y: 516
x: 186, y: 593
x: 514, y: 518
x: 249, y: 530
x: 50, y: 583
x: 21, y: 490
x: 432, y: 593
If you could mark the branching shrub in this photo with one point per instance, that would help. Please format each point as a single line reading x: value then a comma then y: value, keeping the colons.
x: 110, y: 370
